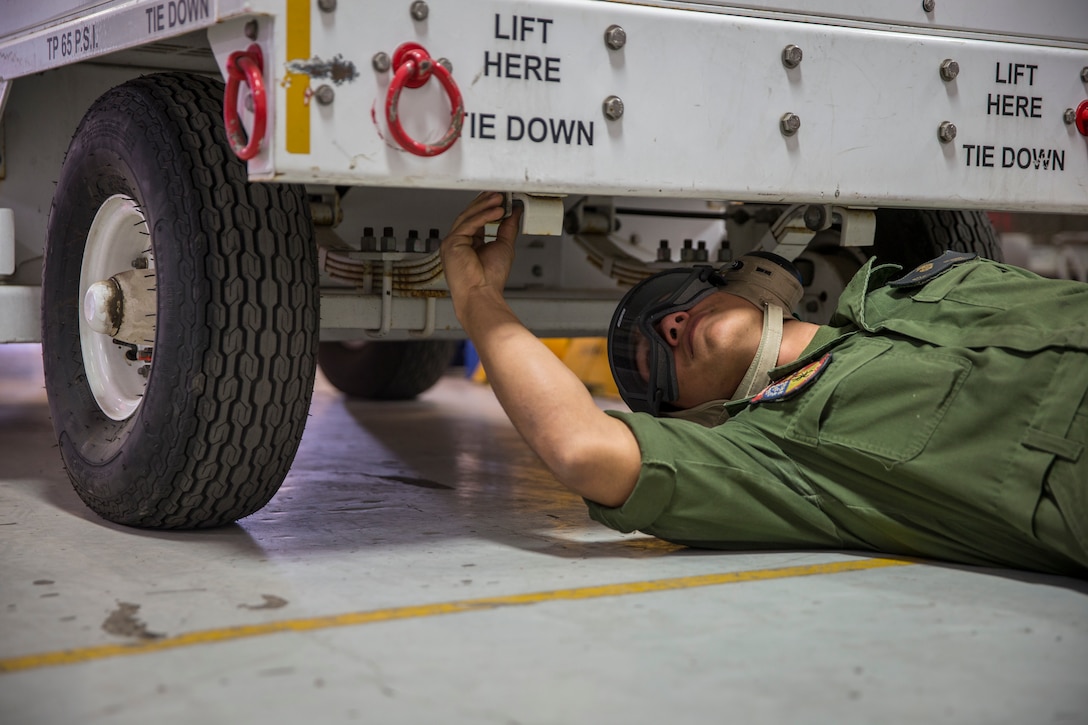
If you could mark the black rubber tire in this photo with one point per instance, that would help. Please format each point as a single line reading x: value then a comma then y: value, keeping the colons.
x: 909, y: 237
x: 232, y: 373
x: 385, y: 370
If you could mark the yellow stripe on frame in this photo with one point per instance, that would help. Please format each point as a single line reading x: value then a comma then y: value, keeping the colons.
x: 227, y: 634
x: 298, y: 84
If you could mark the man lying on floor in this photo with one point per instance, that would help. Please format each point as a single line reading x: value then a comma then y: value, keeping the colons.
x: 942, y: 413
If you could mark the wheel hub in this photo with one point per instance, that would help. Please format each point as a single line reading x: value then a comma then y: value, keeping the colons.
x: 117, y: 324
x: 102, y: 307
x: 123, y: 307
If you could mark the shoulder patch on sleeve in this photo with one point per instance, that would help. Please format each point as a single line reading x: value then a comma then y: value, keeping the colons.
x: 790, y: 386
x: 928, y: 270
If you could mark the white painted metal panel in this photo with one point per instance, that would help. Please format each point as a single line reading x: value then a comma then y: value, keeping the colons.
x: 20, y: 315
x: 1048, y: 21
x: 20, y: 16
x: 703, y: 95
x: 100, y: 30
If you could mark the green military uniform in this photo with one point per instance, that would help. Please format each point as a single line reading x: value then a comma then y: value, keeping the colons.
x: 945, y: 418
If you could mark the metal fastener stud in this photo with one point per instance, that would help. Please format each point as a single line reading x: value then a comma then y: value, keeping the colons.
x: 613, y: 108
x: 387, y: 242
x: 790, y: 123
x: 702, y: 254
x: 946, y: 132
x: 791, y: 56
x: 420, y: 11
x: 1070, y: 117
x: 326, y: 6
x: 928, y: 5
x: 687, y: 252
x: 664, y: 254
x: 445, y: 63
x: 324, y: 94
x: 949, y: 69
x: 1084, y: 74
x: 252, y: 29
x: 433, y: 241
x: 816, y: 217
x: 615, y: 37
x: 381, y: 62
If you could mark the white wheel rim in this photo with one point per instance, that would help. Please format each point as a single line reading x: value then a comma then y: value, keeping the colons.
x: 118, y: 235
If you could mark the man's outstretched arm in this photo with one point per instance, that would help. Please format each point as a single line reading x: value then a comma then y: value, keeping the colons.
x: 594, y: 455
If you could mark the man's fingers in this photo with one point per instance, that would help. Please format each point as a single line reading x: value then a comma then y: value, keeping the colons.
x: 508, y: 228
x: 485, y: 204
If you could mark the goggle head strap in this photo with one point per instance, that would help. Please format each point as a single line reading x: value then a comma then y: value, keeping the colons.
x: 770, y: 343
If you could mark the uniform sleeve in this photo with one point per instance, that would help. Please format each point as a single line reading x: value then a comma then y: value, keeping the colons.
x: 717, y: 487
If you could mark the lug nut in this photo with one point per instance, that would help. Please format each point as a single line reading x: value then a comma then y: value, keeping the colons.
x: 420, y: 11
x: 664, y: 254
x: 326, y: 6
x: 615, y: 37
x: 433, y: 241
x: 387, y: 243
x: 790, y: 123
x: 368, y: 242
x: 613, y: 108
x: 1084, y: 74
x: 928, y: 5
x: 725, y: 253
x: 381, y: 62
x: 946, y: 132
x: 791, y: 56
x: 949, y: 69
x: 687, y: 252
x: 324, y: 94
x: 251, y: 29
x: 1070, y: 116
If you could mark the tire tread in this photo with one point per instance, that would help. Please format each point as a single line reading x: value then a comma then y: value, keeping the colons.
x: 224, y: 446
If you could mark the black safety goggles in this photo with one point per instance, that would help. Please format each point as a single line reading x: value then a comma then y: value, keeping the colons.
x: 641, y: 359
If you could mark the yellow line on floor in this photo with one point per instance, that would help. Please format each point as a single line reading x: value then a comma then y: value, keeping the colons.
x: 308, y: 624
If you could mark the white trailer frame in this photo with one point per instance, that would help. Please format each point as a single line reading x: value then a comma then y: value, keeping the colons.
x: 967, y: 105
x: 184, y: 295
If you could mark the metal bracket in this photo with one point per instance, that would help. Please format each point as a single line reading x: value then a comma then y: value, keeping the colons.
x: 858, y: 227
x: 541, y: 215
x: 791, y: 234
x: 7, y: 242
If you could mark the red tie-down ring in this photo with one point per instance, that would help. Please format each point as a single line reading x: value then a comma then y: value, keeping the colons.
x: 245, y: 65
x: 1081, y: 118
x: 413, y: 67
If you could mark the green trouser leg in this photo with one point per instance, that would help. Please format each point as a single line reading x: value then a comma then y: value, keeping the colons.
x: 1061, y: 520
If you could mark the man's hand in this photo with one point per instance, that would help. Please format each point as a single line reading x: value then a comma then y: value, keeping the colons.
x: 594, y: 455
x: 473, y: 266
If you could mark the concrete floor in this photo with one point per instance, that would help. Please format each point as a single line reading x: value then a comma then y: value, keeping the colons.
x: 419, y: 566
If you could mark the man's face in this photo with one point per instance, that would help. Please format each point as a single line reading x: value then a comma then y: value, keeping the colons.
x: 712, y: 344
